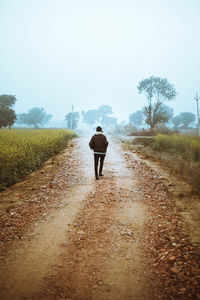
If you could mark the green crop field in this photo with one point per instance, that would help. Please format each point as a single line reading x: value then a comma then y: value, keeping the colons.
x: 23, y: 151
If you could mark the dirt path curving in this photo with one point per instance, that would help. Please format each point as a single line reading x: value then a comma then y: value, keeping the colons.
x: 101, y: 239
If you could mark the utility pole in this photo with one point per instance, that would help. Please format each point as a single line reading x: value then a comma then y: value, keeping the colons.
x: 71, y: 119
x: 198, y: 121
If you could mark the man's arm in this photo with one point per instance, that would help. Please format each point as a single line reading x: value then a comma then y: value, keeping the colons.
x: 106, y: 142
x: 91, y: 143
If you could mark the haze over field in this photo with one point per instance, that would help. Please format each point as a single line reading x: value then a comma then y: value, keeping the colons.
x: 87, y: 53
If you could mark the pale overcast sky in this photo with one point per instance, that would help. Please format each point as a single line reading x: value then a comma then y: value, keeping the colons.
x: 55, y: 53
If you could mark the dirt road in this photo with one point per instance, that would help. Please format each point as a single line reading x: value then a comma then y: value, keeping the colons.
x: 120, y: 237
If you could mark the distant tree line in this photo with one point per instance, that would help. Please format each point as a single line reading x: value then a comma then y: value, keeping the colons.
x: 102, y: 115
x: 35, y: 116
x: 155, y: 113
x: 183, y: 120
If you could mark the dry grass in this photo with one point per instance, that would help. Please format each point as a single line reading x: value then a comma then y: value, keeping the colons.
x: 179, y: 153
x: 187, y: 146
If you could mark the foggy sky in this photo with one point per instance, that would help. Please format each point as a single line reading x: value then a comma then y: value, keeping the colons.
x: 55, y: 53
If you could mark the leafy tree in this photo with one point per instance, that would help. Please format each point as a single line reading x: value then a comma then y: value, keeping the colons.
x: 72, y: 119
x: 7, y: 101
x: 169, y: 111
x: 176, y: 121
x: 105, y: 110
x: 100, y: 115
x: 157, y: 90
x: 160, y: 115
x: 91, y: 116
x: 187, y: 118
x: 122, y: 129
x: 7, y: 115
x: 35, y: 116
x: 106, y: 120
x: 136, y: 118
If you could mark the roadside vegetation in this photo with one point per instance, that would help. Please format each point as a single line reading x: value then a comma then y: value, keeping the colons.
x: 179, y: 153
x: 24, y: 150
x: 187, y: 146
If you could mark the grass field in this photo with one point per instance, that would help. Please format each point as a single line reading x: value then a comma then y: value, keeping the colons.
x: 187, y: 146
x: 23, y: 151
x: 177, y: 152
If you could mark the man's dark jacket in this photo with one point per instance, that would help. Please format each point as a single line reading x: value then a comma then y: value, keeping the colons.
x: 98, y: 143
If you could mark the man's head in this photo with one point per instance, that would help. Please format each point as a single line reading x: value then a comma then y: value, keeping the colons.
x: 99, y: 129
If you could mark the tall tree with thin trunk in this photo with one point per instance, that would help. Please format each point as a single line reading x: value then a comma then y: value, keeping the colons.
x: 157, y: 90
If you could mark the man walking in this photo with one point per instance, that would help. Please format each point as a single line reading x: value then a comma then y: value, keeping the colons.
x: 99, y: 144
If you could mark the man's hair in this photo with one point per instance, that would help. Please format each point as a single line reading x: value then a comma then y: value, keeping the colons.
x: 99, y: 129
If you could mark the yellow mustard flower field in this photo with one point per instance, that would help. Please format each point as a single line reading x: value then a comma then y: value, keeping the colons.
x: 24, y: 150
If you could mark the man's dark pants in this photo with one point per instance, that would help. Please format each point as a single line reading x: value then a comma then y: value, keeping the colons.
x: 98, y: 157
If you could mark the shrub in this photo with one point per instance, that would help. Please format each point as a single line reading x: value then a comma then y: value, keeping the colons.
x: 187, y: 146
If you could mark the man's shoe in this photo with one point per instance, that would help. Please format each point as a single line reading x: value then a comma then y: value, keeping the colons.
x: 97, y: 177
x: 101, y: 175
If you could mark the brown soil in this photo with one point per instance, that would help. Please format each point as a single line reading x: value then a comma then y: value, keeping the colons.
x: 66, y: 236
x: 181, y: 192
